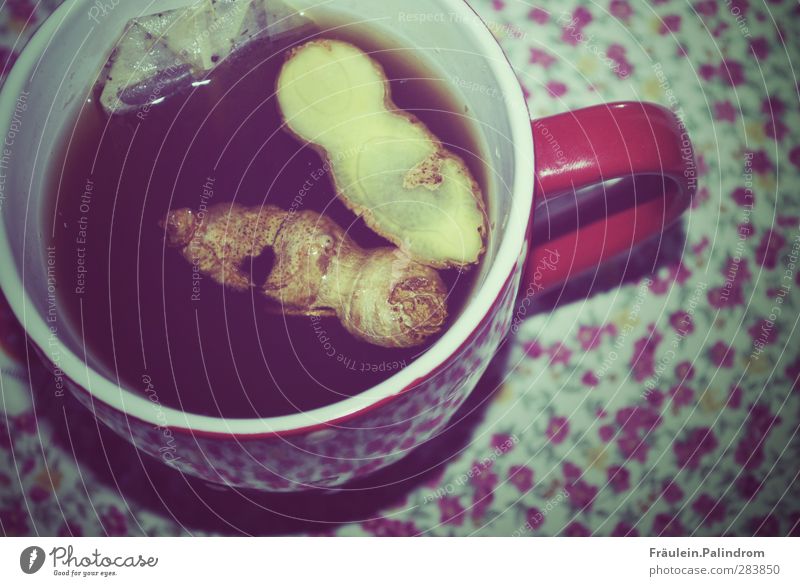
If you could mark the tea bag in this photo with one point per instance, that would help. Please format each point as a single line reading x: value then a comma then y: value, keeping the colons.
x: 162, y: 53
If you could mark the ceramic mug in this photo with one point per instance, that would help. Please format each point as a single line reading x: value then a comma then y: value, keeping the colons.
x: 639, y: 154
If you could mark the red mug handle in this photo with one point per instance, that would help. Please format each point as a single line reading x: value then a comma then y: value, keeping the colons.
x: 588, y: 147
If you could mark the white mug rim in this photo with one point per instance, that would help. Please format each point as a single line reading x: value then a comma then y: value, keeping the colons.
x: 505, y: 264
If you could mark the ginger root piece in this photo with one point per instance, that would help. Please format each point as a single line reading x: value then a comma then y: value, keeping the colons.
x: 386, y: 164
x: 380, y: 296
x: 160, y: 54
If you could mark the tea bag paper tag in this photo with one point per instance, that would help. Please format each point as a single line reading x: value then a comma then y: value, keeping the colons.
x: 161, y: 54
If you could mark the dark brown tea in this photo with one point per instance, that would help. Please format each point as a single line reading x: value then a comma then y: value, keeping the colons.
x: 151, y: 320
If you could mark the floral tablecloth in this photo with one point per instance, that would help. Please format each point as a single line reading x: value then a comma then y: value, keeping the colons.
x: 667, y: 406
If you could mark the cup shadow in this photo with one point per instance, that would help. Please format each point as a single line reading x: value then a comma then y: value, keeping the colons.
x: 147, y: 484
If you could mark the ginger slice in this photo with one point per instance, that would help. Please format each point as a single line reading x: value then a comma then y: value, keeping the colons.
x: 160, y: 54
x: 380, y: 296
x: 386, y: 164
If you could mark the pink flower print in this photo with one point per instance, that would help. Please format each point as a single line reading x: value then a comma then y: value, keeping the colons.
x: 114, y: 522
x: 759, y: 47
x: 589, y: 337
x: 719, y: 297
x: 541, y: 57
x: 739, y: 272
x: 655, y: 398
x: 621, y: 9
x: 700, y: 197
x: 633, y: 447
x: 576, y: 529
x: 450, y: 511
x: 7, y: 60
x: 750, y: 451
x: 681, y: 396
x: 559, y: 354
x: 383, y: 527
x: 776, y: 129
x: 667, y: 525
x: 571, y: 472
x: 769, y: 249
x: 764, y: 331
x: 26, y: 423
x: 484, y: 484
x: 772, y: 106
x: 534, y: 349
x: 14, y: 521
x: 502, y: 442
x: 706, y: 7
x: 521, y: 477
x: 670, y: 24
x: 707, y: 71
x: 606, y: 433
x: 767, y: 526
x: 557, y: 429
x: 722, y: 355
x: 571, y: 32
x: 556, y: 89
x: 742, y: 5
x: 636, y: 423
x: 539, y: 16
x: 582, y: 16
x: 38, y: 494
x: 672, y: 493
x: 682, y: 322
x: 794, y: 524
x: 698, y: 443
x: 748, y: 486
x: 643, y: 362
x: 701, y: 246
x: 70, y: 529
x: 619, y: 478
x: 735, y: 397
x: 761, y: 162
x: 684, y: 371
x: 617, y: 53
x: 725, y: 111
x: 743, y: 196
x: 709, y: 509
x: 5, y: 436
x: 792, y: 372
x: 480, y: 505
x: 638, y: 417
x: 582, y: 495
x: 676, y: 274
x: 590, y: 379
x: 23, y: 10
x: 794, y: 156
x: 486, y: 480
x: 624, y: 529
x: 732, y: 72
x: 498, y: 4
x: 534, y: 518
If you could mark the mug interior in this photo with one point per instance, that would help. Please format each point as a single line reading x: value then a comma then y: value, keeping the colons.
x: 54, y: 75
